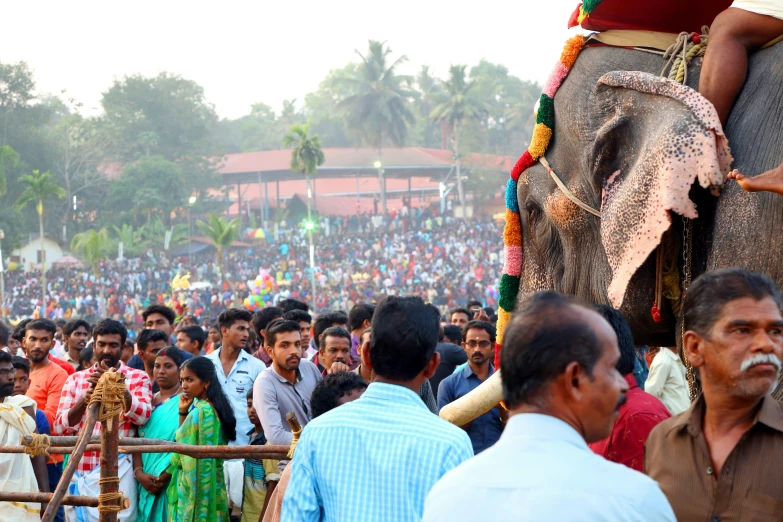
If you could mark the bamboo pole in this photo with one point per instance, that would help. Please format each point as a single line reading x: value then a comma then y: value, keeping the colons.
x: 198, y: 452
x: 76, y: 457
x: 43, y: 498
x: 26, y: 440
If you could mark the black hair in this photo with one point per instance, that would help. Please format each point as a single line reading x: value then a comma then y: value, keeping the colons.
x: 72, y: 326
x: 326, y: 320
x: 205, y: 371
x: 20, y: 363
x: 624, y: 338
x: 46, y: 325
x: 84, y: 356
x: 278, y: 327
x: 249, y: 393
x: 5, y: 333
x: 216, y: 326
x: 263, y: 317
x: 711, y: 291
x: 173, y: 353
x: 452, y: 333
x: 18, y: 333
x: 149, y: 335
x: 6, y: 357
x: 129, y: 343
x: 195, y: 333
x: 405, y: 333
x: 163, y: 310
x: 227, y: 318
x: 110, y: 327
x: 300, y: 316
x: 460, y: 311
x: 479, y: 325
x: 544, y: 336
x: 329, y: 390
x: 60, y: 322
x: 287, y: 305
x: 358, y: 314
x: 473, y: 303
x: 334, y: 331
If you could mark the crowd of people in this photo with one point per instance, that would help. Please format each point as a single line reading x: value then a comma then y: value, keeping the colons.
x: 443, y: 260
x: 586, y: 430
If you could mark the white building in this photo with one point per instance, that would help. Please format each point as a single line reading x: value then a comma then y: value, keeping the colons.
x: 29, y: 255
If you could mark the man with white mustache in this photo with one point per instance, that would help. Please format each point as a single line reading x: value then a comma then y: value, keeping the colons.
x: 721, y: 458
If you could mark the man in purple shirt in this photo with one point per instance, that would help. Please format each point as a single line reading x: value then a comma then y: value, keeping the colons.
x: 359, y: 319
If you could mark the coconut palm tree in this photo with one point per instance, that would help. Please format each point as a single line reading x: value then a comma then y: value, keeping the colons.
x: 132, y: 239
x: 93, y: 247
x: 222, y: 234
x: 306, y: 157
x: 459, y: 106
x: 40, y: 187
x: 378, y: 106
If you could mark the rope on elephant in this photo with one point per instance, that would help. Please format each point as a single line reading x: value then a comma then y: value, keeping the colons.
x: 110, y: 393
x: 682, y: 51
x: 39, y: 445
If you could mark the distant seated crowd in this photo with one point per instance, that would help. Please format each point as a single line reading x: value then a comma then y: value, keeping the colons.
x: 586, y: 431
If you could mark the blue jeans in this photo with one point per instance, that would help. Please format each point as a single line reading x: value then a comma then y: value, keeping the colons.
x: 55, y: 472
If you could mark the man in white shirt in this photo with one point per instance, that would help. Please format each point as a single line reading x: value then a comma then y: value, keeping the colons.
x: 667, y: 381
x: 562, y: 389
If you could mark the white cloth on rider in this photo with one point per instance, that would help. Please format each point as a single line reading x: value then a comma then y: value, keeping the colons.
x: 772, y: 8
x: 17, y: 469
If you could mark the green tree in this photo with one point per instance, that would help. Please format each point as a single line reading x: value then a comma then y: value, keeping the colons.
x: 222, y: 234
x: 429, y: 95
x: 378, y: 106
x: 133, y: 241
x: 39, y: 189
x: 306, y: 157
x: 93, y: 247
x: 8, y: 158
x: 151, y: 186
x: 460, y: 105
x: 322, y: 108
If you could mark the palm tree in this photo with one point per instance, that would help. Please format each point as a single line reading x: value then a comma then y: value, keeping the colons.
x: 460, y: 105
x: 222, y: 233
x: 306, y: 157
x: 430, y: 93
x: 93, y: 247
x: 379, y: 104
x: 132, y: 240
x: 39, y: 188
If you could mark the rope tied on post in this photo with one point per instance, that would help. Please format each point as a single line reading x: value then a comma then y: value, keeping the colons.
x: 112, y: 502
x: 38, y: 446
x: 110, y: 394
x: 296, y: 429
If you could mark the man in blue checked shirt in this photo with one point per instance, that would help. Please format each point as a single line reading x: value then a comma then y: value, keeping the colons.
x: 376, y: 458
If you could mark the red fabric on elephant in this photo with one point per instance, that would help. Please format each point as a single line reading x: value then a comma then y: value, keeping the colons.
x: 667, y: 16
x: 635, y: 210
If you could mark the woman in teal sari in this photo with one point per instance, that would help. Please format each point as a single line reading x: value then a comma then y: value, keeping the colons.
x: 150, y: 468
x: 197, y: 490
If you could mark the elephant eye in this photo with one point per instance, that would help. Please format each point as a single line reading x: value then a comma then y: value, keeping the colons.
x: 532, y: 209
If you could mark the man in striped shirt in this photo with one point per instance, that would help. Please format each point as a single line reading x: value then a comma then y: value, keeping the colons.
x: 377, y: 457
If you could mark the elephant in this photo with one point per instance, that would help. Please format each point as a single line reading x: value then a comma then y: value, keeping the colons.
x: 604, y: 137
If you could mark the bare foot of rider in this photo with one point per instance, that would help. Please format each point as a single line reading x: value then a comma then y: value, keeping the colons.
x: 770, y: 181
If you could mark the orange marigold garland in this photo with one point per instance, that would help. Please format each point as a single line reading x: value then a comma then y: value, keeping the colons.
x: 542, y: 135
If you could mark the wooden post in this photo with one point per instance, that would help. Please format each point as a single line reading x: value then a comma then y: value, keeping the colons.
x: 110, y: 482
x: 42, y: 498
x: 65, y: 480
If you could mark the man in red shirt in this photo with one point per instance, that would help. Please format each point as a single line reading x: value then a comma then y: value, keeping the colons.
x: 109, y: 337
x: 640, y: 412
x: 46, y: 378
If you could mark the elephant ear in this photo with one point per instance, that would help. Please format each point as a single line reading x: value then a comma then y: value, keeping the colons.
x: 671, y: 137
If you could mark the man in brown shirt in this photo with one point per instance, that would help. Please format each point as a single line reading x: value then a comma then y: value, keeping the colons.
x: 721, y: 459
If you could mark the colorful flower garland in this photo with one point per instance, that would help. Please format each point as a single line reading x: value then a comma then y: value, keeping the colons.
x: 587, y: 7
x: 542, y: 134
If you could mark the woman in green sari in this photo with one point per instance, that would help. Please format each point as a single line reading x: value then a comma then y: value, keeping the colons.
x: 150, y: 468
x: 197, y: 489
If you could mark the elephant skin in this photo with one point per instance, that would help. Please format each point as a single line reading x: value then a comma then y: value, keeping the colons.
x: 603, y: 139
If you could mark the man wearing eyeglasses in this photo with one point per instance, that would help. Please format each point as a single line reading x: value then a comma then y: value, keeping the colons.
x: 478, y: 340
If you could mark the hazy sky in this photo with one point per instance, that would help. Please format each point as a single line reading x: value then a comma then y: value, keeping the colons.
x: 242, y: 52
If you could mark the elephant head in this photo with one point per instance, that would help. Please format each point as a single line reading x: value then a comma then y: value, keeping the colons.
x: 631, y: 145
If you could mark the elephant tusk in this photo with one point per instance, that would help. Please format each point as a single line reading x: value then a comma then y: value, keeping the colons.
x: 476, y: 403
